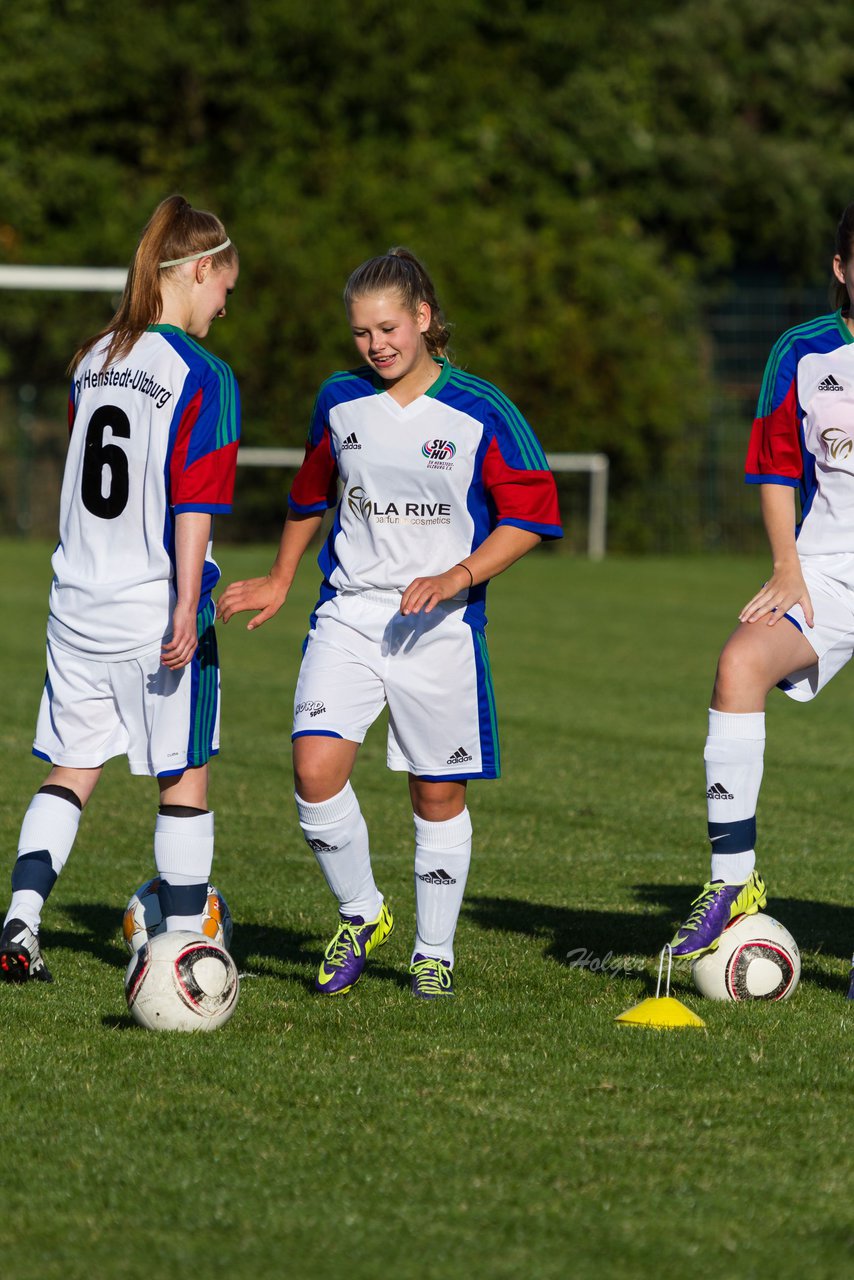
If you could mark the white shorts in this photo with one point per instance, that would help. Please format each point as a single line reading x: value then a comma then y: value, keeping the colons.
x: 163, y: 721
x: 432, y: 670
x: 830, y: 582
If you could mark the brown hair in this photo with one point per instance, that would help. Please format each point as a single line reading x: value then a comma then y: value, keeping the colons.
x: 400, y: 270
x: 845, y: 251
x: 174, y: 230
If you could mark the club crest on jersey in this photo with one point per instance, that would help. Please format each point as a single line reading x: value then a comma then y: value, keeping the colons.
x: 439, y: 454
x: 837, y: 443
x: 400, y: 512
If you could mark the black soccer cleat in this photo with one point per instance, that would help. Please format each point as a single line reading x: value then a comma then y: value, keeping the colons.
x: 21, y: 959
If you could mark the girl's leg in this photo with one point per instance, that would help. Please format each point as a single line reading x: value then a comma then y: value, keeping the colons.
x: 183, y: 848
x: 442, y: 856
x: 335, y: 831
x: 755, y: 658
x: 47, y: 836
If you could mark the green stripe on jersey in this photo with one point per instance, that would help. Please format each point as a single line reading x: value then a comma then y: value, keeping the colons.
x: 227, y: 426
x: 528, y: 444
x: 810, y: 329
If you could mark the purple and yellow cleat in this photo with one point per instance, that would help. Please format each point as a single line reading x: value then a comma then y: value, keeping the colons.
x: 431, y: 977
x: 345, y: 957
x: 711, y: 911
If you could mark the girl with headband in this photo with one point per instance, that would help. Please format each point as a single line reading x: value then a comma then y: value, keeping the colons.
x: 131, y: 655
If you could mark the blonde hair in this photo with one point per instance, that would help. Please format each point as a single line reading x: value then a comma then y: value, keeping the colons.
x: 174, y: 230
x: 399, y: 270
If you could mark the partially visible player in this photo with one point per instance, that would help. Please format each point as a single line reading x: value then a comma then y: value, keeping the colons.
x: 131, y: 654
x: 797, y: 631
x: 444, y: 485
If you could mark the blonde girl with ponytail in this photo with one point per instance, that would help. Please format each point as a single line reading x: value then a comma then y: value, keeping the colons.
x: 131, y: 654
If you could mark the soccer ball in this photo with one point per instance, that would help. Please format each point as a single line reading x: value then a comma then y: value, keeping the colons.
x: 142, y: 919
x: 756, y: 959
x: 181, y: 981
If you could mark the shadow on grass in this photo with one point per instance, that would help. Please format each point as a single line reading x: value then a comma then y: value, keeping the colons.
x: 268, y: 951
x: 574, y: 936
x: 101, y: 933
x: 262, y: 951
x: 823, y: 927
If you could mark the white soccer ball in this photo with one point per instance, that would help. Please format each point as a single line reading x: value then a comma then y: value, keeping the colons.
x: 756, y: 959
x: 181, y: 981
x: 142, y: 919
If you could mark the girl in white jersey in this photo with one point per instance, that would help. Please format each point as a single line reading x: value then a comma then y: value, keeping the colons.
x: 798, y: 630
x: 131, y: 655
x: 444, y: 485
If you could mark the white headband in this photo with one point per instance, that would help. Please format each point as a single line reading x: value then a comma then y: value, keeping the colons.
x: 194, y: 257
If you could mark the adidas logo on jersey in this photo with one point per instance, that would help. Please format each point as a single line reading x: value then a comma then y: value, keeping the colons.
x: 320, y: 846
x: 460, y: 756
x: 437, y: 877
x: 830, y: 384
x: 717, y: 792
x: 351, y: 442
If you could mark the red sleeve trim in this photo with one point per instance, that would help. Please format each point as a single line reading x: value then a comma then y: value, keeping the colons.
x: 182, y: 444
x: 528, y: 498
x: 316, y: 483
x: 775, y: 442
x: 209, y: 483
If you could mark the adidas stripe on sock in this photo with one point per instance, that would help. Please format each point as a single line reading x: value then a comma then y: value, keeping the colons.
x: 442, y: 858
x: 734, y: 756
x: 337, y: 835
x: 47, y: 836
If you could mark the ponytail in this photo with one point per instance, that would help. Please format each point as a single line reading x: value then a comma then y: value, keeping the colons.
x: 399, y: 270
x: 175, y: 233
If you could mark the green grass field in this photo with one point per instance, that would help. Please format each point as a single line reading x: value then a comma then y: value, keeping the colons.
x: 516, y: 1131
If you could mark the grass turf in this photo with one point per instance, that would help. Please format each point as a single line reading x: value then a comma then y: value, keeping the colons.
x: 517, y: 1130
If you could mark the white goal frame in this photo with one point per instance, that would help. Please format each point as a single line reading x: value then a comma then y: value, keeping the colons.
x: 112, y: 280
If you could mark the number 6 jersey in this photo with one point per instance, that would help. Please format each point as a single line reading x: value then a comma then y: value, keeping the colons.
x: 152, y: 435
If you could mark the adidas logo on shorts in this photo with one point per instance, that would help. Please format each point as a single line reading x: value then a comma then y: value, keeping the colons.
x: 460, y: 756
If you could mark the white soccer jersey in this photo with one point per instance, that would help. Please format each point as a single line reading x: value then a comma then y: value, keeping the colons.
x: 424, y: 484
x: 803, y: 434
x: 153, y: 435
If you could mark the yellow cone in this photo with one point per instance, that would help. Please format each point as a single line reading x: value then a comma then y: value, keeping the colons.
x: 660, y: 1011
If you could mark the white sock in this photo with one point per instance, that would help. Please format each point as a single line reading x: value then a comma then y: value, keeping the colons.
x: 47, y: 836
x: 337, y: 834
x: 183, y: 855
x: 734, y: 756
x: 442, y: 857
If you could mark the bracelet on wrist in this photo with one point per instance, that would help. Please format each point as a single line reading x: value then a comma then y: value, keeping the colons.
x: 460, y: 565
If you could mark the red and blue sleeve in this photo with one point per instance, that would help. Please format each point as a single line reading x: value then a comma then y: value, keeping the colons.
x: 518, y: 480
x: 315, y: 486
x: 774, y: 455
x: 204, y: 452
